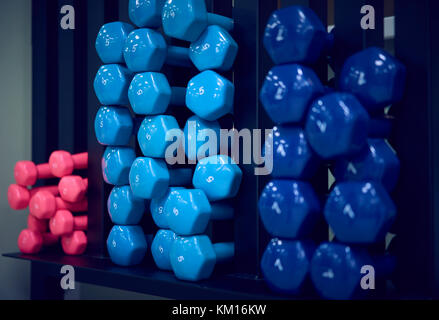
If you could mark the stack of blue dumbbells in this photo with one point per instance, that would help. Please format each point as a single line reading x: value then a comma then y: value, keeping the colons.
x: 181, y: 214
x: 344, y: 127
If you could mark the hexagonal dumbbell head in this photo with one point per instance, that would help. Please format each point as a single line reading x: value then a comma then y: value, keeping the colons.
x: 30, y: 241
x: 210, y: 96
x: 337, y: 125
x: 72, y: 188
x: 146, y: 13
x: 113, y: 126
x: 156, y: 134
x: 110, y: 41
x: 126, y: 245
x: 194, y: 258
x: 75, y: 243
x: 62, y: 163
x: 157, y: 208
x: 285, y: 264
x: 359, y: 212
x: 375, y: 77
x: 161, y: 247
x: 218, y: 176
x: 124, y: 208
x: 288, y: 91
x: 64, y: 223
x: 289, y: 208
x: 377, y: 162
x: 116, y: 165
x: 292, y: 154
x: 202, y: 138
x: 111, y: 84
x: 295, y: 34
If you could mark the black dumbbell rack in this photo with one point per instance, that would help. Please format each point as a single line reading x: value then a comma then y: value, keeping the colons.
x: 64, y: 107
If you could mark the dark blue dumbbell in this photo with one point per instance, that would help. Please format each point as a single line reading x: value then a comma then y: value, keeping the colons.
x: 285, y: 264
x: 110, y: 41
x: 111, y: 85
x: 295, y: 34
x: 116, y: 164
x: 289, y: 208
x: 359, y: 212
x: 336, y: 270
x: 124, y: 208
x: 288, y: 91
x: 157, y: 208
x: 377, y: 162
x: 146, y: 13
x: 127, y: 245
x: 161, y: 248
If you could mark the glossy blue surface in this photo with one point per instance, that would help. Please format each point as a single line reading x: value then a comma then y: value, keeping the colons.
x: 110, y: 41
x: 295, y: 34
x: 145, y: 50
x: 377, y: 162
x: 111, y: 85
x: 201, y: 138
x: 149, y: 93
x: 289, y: 208
x: 215, y: 49
x: 149, y: 178
x: 285, y: 264
x: 153, y: 133
x: 116, y: 164
x: 210, y: 95
x: 218, y: 176
x: 124, y: 208
x: 161, y: 248
x: 288, y: 91
x: 292, y: 155
x: 113, y: 126
x: 157, y: 208
x: 146, y: 13
x: 337, y: 125
x: 375, y: 77
x: 126, y: 245
x: 359, y: 212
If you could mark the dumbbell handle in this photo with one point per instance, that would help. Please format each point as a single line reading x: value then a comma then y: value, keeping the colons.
x: 178, y: 96
x: 221, y: 211
x: 180, y: 177
x: 224, y: 251
x: 80, y: 206
x: 80, y: 223
x: 178, y: 57
x: 216, y: 19
x: 380, y: 127
x: 80, y: 160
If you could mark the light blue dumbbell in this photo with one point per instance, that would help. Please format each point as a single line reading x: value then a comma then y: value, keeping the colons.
x: 116, y: 164
x: 124, y: 208
x: 146, y: 13
x: 201, y: 138
x: 188, y: 212
x: 111, y: 85
x: 127, y: 245
x: 110, y: 41
x: 157, y: 208
x: 146, y: 50
x: 194, y: 258
x: 150, y: 178
x: 113, y: 126
x: 187, y: 19
x: 161, y: 247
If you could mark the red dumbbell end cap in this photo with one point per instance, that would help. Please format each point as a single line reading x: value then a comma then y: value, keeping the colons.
x: 72, y: 188
x: 18, y: 197
x: 43, y: 205
x: 61, y: 223
x: 61, y: 163
x: 74, y: 243
x: 25, y: 173
x: 30, y: 242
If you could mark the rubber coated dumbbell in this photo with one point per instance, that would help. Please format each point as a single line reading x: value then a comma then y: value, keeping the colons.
x: 26, y: 173
x: 31, y: 242
x: 64, y: 223
x: 359, y: 212
x: 294, y: 35
x: 146, y: 13
x: 110, y: 41
x: 157, y: 208
x: 161, y: 248
x: 35, y: 224
x: 75, y: 243
x: 146, y: 50
x: 201, y: 138
x: 208, y: 94
x: 116, y: 164
x: 375, y: 77
x: 19, y: 196
x: 194, y: 258
x: 151, y: 178
x: 289, y: 208
x: 285, y: 264
x: 287, y: 92
x: 218, y: 176
x: 62, y: 163
x: 187, y: 19
x: 127, y: 245
x: 377, y: 162
x: 111, y: 85
x: 125, y: 208
x: 188, y: 212
x: 72, y: 188
x: 292, y: 154
x: 44, y: 205
x: 336, y: 270
x: 113, y: 126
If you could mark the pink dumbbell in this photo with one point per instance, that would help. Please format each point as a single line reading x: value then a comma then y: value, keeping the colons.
x: 19, y: 196
x: 31, y: 242
x: 75, y: 243
x: 35, y: 224
x: 44, y: 205
x: 72, y: 188
x: 64, y: 223
x: 62, y: 163
x: 27, y: 173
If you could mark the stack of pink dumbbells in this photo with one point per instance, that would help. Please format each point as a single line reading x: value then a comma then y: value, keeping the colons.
x: 51, y: 207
